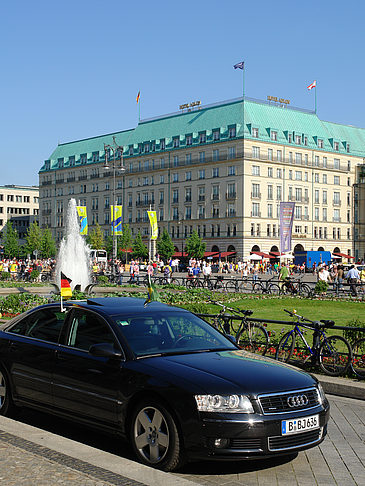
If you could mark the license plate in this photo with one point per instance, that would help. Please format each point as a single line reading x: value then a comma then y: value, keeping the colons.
x: 295, y: 426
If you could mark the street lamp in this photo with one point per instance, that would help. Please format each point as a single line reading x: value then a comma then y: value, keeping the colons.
x: 111, y: 163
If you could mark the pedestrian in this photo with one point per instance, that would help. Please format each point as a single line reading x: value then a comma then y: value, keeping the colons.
x: 353, y: 277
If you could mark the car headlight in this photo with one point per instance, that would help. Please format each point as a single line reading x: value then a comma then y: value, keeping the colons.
x: 321, y: 394
x: 224, y: 403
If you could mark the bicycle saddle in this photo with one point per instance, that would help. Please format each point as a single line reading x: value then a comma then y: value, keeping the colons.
x: 327, y: 323
x: 246, y: 312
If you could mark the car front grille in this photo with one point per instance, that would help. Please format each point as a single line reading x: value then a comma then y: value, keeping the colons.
x: 246, y: 444
x: 279, y: 402
x: 296, y: 440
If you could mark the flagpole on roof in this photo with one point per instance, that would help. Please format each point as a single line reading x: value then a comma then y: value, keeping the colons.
x: 315, y: 98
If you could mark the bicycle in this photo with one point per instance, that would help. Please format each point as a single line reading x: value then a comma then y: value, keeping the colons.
x: 249, y: 336
x: 239, y: 285
x: 358, y: 358
x: 266, y: 287
x: 333, y: 354
x: 295, y: 287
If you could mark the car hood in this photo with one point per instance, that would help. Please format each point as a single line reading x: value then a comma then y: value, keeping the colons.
x: 232, y: 371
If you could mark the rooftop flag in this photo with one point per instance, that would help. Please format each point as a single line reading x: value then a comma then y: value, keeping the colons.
x: 313, y: 85
x: 239, y: 65
x: 138, y: 96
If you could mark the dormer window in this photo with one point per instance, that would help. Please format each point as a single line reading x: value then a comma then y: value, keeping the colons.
x: 131, y: 150
x: 298, y: 139
x: 290, y: 137
x: 189, y: 139
x: 320, y: 143
x: 162, y: 144
x: 176, y: 142
x: 232, y: 132
x: 348, y: 148
x: 202, y: 137
x: 274, y: 135
x: 146, y: 147
x: 71, y: 160
x: 216, y: 135
x: 255, y: 132
x: 139, y: 149
x: 83, y: 158
x: 153, y: 146
x: 305, y: 141
x: 336, y: 146
x: 47, y: 164
x: 95, y: 157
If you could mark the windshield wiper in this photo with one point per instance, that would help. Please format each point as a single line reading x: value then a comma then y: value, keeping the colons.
x: 187, y: 351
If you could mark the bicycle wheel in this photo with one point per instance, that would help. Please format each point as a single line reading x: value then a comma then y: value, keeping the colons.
x: 305, y: 290
x: 253, y: 338
x: 358, y: 358
x: 274, y: 289
x: 244, y: 286
x: 285, y: 347
x: 335, y: 355
x: 231, y: 286
x: 257, y: 288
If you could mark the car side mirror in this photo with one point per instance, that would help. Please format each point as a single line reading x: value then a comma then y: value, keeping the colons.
x: 231, y: 338
x: 105, y: 350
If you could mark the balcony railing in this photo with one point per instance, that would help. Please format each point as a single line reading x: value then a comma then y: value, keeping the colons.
x: 82, y: 178
x: 46, y: 183
x: 231, y: 195
x: 215, y: 197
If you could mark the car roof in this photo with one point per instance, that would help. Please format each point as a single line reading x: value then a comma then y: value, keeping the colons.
x: 117, y: 305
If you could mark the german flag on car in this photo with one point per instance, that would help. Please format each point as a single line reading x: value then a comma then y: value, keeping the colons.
x: 66, y: 291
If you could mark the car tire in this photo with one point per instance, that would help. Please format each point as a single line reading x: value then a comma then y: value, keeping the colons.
x: 7, y: 407
x: 154, y: 436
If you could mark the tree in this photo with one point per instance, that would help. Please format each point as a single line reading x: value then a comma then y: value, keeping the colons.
x: 139, y: 249
x: 165, y: 246
x: 195, y: 247
x: 48, y: 244
x: 33, y: 239
x: 96, y: 239
x: 124, y: 242
x: 10, y: 240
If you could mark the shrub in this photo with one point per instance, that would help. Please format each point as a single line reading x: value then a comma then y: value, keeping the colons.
x: 34, y: 275
x: 4, y: 276
x: 103, y: 279
x: 353, y: 335
x: 321, y: 287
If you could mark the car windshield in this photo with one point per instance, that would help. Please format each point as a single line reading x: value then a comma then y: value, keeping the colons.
x: 170, y: 333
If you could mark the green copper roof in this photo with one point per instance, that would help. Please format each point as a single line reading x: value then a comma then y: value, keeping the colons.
x: 258, y: 114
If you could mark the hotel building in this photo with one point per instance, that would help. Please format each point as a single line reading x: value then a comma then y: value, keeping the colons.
x: 221, y: 170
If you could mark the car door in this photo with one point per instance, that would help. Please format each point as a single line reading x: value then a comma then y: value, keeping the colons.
x: 33, y: 341
x: 85, y: 385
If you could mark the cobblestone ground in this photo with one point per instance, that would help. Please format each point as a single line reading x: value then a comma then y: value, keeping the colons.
x: 339, y: 461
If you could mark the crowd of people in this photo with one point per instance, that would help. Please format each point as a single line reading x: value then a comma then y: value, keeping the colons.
x: 336, y: 274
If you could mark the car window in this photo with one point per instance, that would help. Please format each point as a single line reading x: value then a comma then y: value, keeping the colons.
x: 45, y: 324
x: 169, y: 333
x: 87, y: 329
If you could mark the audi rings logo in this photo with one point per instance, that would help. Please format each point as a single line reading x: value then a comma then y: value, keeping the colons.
x: 297, y: 401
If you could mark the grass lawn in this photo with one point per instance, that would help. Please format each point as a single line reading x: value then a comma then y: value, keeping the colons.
x: 273, y: 308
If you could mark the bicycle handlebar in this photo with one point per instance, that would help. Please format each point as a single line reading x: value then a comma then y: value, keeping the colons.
x: 225, y: 307
x: 326, y: 322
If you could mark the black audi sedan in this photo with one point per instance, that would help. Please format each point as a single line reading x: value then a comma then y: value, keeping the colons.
x: 160, y: 377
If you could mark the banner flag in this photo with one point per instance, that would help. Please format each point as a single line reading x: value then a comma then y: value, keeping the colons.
x: 82, y: 213
x: 286, y: 224
x: 116, y: 212
x: 153, y: 220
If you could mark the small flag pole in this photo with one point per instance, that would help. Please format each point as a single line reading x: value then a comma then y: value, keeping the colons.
x: 315, y: 98
x: 62, y: 308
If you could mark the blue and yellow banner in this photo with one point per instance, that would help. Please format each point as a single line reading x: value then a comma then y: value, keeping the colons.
x: 153, y: 220
x: 116, y: 212
x: 82, y: 213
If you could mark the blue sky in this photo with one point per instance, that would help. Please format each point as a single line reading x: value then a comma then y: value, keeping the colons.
x: 72, y: 69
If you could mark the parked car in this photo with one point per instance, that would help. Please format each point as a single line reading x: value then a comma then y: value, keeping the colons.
x: 161, y: 377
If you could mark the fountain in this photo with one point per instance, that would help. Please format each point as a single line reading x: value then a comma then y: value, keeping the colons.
x: 73, y: 256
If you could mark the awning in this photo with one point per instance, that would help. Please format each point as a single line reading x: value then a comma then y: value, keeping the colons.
x: 224, y: 254
x: 276, y: 253
x: 179, y: 254
x: 342, y: 255
x: 211, y: 253
x: 262, y: 254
